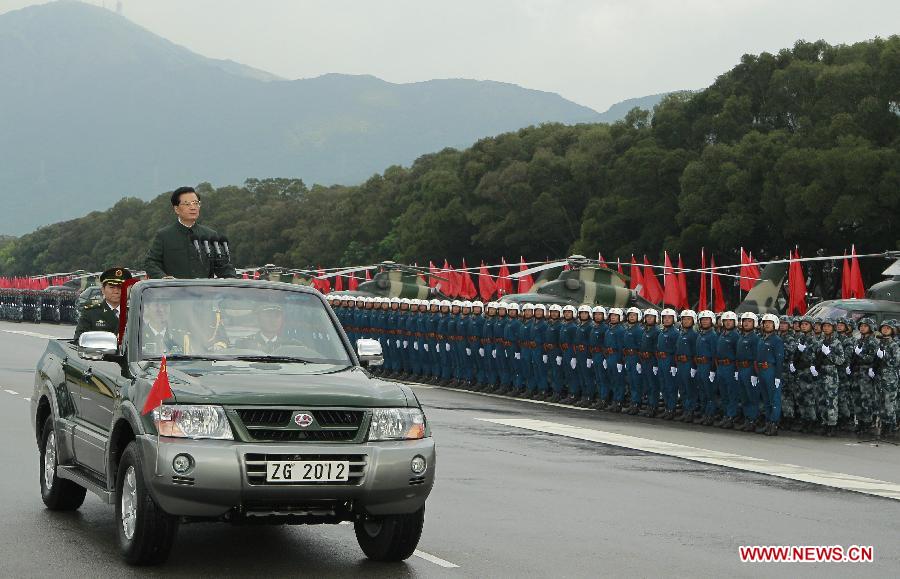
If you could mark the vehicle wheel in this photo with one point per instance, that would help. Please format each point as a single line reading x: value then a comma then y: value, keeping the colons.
x: 145, y: 532
x: 390, y: 538
x: 58, y: 494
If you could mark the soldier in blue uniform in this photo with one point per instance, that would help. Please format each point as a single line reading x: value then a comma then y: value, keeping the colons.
x: 486, y: 353
x: 613, y: 362
x: 474, y: 331
x: 567, y: 344
x: 769, y: 361
x: 647, y: 368
x: 500, y: 358
x: 554, y: 353
x: 634, y: 336
x: 512, y: 336
x: 707, y: 348
x: 686, y: 367
x: 727, y: 371
x: 597, y: 349
x: 540, y: 355
x: 666, y: 344
x: 746, y: 359
x: 582, y: 355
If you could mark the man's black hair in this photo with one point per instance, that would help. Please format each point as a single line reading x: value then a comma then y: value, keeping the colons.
x: 177, y: 193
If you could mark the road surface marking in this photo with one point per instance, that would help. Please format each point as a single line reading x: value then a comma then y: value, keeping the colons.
x: 28, y: 398
x: 489, y: 395
x: 436, y: 560
x: 32, y: 334
x: 795, y: 472
x: 13, y: 392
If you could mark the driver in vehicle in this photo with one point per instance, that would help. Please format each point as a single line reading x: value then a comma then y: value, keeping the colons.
x: 270, y: 336
x: 158, y: 336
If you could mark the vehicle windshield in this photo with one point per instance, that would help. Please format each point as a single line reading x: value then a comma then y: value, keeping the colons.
x: 238, y: 322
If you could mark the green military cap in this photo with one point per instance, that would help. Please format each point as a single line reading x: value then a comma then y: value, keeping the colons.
x: 115, y: 276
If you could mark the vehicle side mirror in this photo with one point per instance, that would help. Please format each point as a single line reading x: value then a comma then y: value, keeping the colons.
x: 369, y: 352
x: 96, y: 345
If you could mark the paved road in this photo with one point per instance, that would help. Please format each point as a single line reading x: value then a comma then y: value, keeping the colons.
x: 509, y: 501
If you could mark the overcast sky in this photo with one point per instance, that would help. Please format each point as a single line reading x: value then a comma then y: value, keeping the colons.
x: 594, y: 52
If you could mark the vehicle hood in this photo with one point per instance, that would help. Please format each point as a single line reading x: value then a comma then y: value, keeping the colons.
x: 237, y: 386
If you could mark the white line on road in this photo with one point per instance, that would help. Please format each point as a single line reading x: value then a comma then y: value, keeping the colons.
x: 795, y: 472
x: 28, y: 398
x: 31, y: 334
x: 489, y: 395
x: 436, y: 560
x: 13, y: 392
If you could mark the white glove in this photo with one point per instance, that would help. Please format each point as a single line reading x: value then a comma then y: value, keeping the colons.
x: 494, y: 353
x: 858, y: 350
x: 871, y: 373
x: 518, y: 355
x: 813, y: 371
x: 405, y: 343
x: 590, y: 363
x: 544, y: 358
x: 825, y: 349
x: 754, y: 381
x: 468, y: 351
x: 604, y: 364
x: 559, y: 360
x: 849, y: 372
x: 673, y: 370
x: 619, y: 368
x: 447, y: 347
x: 426, y: 347
x: 793, y: 368
x: 416, y: 346
x: 778, y: 382
x: 880, y: 353
x: 655, y: 370
x: 736, y: 376
x: 637, y: 368
x: 801, y: 346
x: 693, y: 372
x: 481, y: 352
x: 573, y: 363
x: 712, y: 376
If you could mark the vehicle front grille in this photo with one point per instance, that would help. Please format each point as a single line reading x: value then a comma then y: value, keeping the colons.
x: 255, y: 465
x: 297, y: 435
x: 265, y: 424
x: 264, y: 417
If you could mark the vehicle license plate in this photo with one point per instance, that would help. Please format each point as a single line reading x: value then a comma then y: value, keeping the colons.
x: 307, y: 471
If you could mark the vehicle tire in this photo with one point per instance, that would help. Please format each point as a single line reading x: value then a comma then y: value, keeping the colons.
x: 145, y: 532
x: 58, y: 494
x: 391, y: 537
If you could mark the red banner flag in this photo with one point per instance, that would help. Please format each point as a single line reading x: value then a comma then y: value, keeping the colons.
x: 353, y: 283
x: 682, y: 285
x: 857, y: 287
x: 796, y: 286
x: 636, y: 278
x: 749, y: 271
x: 486, y: 285
x: 526, y: 281
x: 468, y: 290
x: 704, y: 288
x: 160, y: 390
x: 339, y: 283
x: 504, y: 284
x: 619, y: 263
x: 433, y: 271
x: 718, y: 295
x: 653, y: 292
x: 672, y: 291
x: 368, y: 275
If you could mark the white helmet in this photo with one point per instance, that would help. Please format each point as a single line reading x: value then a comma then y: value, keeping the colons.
x: 395, y: 300
x: 651, y: 312
x: 569, y: 308
x: 599, y: 309
x: 633, y: 310
x: 750, y: 316
x: 405, y: 300
x: 528, y: 307
x: 513, y: 307
x: 434, y: 302
x: 556, y: 308
x: 466, y: 304
x: 706, y: 314
x: 729, y: 316
x: 455, y: 303
x: 541, y: 307
x: 668, y: 312
x: 445, y: 303
x: 478, y: 304
x: 771, y: 318
x: 492, y: 305
x: 689, y: 314
x: 503, y: 305
x: 617, y: 311
x: 584, y: 308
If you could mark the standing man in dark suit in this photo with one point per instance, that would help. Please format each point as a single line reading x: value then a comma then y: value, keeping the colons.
x: 104, y: 317
x: 186, y: 249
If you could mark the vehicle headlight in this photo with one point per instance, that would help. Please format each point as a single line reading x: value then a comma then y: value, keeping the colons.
x: 194, y: 421
x: 397, y: 424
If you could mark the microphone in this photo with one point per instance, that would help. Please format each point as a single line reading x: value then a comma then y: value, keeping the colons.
x: 215, y: 242
x: 193, y: 239
x: 224, y: 241
x: 206, y: 246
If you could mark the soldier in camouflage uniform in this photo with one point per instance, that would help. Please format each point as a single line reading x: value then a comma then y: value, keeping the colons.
x: 805, y: 345
x: 829, y: 359
x: 846, y: 418
x: 887, y: 380
x: 865, y: 402
x: 788, y: 392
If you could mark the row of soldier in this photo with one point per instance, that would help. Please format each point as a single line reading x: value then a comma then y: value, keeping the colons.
x: 29, y: 305
x: 707, y: 369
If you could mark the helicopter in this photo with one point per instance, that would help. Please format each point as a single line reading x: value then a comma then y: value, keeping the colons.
x: 882, y: 301
x: 394, y: 280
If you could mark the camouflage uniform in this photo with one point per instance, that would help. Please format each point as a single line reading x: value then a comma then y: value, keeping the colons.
x: 865, y: 402
x: 806, y: 346
x: 789, y: 389
x: 829, y: 360
x: 886, y: 377
x: 845, y: 379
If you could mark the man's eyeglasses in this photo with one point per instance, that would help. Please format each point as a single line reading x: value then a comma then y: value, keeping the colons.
x: 190, y: 204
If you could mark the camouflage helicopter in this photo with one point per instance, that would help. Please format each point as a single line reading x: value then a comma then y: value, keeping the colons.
x: 394, y: 280
x: 272, y: 272
x: 882, y: 301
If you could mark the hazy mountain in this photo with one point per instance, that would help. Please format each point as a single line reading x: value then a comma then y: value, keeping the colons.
x: 94, y: 107
x: 619, y: 110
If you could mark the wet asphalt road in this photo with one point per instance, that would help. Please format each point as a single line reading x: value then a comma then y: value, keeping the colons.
x: 507, y: 503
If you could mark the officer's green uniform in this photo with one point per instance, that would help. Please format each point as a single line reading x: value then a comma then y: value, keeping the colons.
x: 167, y: 341
x: 262, y: 343
x: 173, y: 253
x: 100, y: 317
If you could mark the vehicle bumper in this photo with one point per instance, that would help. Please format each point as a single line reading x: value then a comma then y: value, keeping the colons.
x: 220, y: 485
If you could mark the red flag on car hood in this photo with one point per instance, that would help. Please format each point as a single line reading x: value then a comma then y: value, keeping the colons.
x: 160, y: 390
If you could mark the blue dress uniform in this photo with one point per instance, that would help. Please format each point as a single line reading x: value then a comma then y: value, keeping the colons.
x: 473, y: 336
x: 746, y: 358
x: 685, y: 352
x: 441, y: 357
x: 585, y: 375
x: 567, y: 331
x: 487, y: 344
x: 554, y: 356
x: 726, y: 370
x: 631, y: 346
x: 541, y: 356
x: 649, y: 371
x: 707, y: 347
x: 769, y: 362
x: 512, y: 335
x: 415, y: 341
x: 526, y: 351
x: 424, y: 330
x: 615, y: 369
x: 666, y: 344
x: 458, y: 342
x: 450, y: 345
x: 596, y: 349
x: 500, y: 359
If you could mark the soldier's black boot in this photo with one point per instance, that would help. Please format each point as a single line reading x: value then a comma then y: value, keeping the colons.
x: 797, y: 425
x: 727, y: 423
x: 830, y: 431
x: 771, y: 429
x: 762, y: 427
x: 749, y: 425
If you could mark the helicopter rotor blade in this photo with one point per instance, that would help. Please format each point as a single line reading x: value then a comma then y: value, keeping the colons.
x: 346, y: 271
x: 538, y: 268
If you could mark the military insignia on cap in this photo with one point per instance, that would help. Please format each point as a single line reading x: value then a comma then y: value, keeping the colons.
x: 118, y: 273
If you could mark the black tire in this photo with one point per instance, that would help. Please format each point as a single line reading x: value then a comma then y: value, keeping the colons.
x: 390, y: 538
x: 58, y: 494
x: 152, y: 530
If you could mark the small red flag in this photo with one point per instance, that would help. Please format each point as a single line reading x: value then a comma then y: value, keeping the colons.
x: 433, y: 271
x: 749, y: 271
x: 353, y: 283
x: 718, y: 295
x: 636, y: 278
x: 486, y: 285
x: 504, y: 284
x: 468, y: 290
x: 160, y: 390
x: 857, y: 287
x: 682, y: 285
x: 526, y: 281
x: 702, y: 305
x: 796, y: 286
x: 653, y: 291
x: 339, y: 283
x: 672, y: 291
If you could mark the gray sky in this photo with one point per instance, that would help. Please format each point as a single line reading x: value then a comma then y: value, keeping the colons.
x: 594, y: 52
